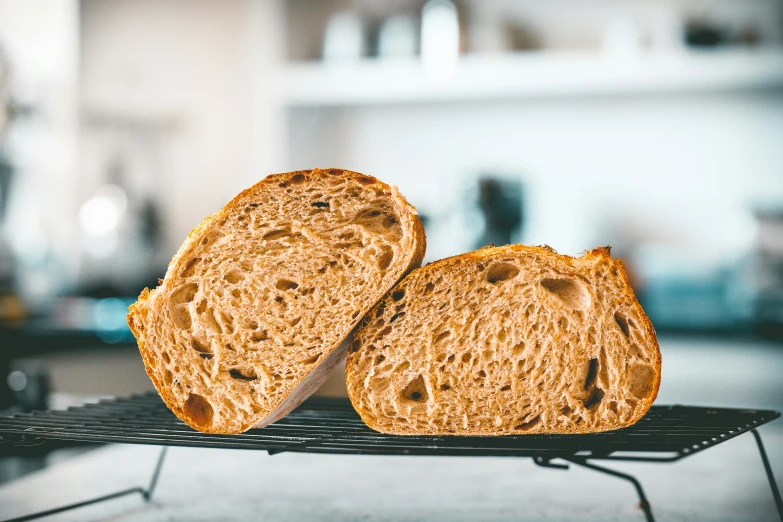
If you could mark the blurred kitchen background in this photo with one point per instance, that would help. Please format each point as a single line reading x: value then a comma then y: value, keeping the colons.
x: 653, y: 126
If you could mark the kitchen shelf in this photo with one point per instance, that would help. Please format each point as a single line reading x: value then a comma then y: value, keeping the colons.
x: 527, y: 75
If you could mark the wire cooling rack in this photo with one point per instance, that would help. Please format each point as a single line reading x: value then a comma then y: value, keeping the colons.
x: 329, y: 425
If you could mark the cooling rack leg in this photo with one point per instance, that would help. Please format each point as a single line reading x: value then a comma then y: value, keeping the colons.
x: 643, y: 503
x: 770, y: 476
x: 145, y: 493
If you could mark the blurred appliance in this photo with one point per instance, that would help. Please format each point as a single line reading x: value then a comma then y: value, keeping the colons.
x: 122, y: 237
x: 30, y: 384
x: 764, y: 272
x: 6, y: 258
x: 684, y: 289
x: 501, y: 203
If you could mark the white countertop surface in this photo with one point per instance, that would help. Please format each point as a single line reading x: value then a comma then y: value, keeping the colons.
x: 722, y: 483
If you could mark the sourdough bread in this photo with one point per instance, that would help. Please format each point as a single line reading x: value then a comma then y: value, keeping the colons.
x: 258, y: 301
x: 507, y: 340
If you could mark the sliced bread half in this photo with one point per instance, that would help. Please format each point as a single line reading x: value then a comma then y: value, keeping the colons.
x: 507, y: 340
x: 257, y: 303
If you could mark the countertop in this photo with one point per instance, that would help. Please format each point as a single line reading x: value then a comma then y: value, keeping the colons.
x: 723, y: 483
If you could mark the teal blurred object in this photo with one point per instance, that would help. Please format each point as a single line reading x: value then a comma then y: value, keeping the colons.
x: 678, y: 303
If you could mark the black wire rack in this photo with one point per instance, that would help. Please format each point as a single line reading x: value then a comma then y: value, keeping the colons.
x: 328, y: 425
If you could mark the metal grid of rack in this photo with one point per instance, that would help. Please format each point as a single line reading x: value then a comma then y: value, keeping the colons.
x: 324, y: 425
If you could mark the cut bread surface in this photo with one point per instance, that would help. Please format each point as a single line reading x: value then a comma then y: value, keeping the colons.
x: 257, y: 303
x: 507, y: 340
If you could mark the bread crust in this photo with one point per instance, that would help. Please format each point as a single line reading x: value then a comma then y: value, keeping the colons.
x: 137, y: 311
x: 490, y: 252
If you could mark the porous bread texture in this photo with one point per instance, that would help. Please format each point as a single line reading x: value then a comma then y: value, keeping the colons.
x: 257, y: 303
x: 507, y: 340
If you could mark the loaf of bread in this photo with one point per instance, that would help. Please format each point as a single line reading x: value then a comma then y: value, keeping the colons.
x: 258, y: 301
x: 507, y: 340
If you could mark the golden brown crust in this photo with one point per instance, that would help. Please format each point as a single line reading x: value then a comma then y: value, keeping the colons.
x: 137, y: 311
x: 488, y: 252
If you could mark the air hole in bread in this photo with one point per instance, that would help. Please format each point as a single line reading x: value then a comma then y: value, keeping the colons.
x: 445, y: 387
x: 166, y: 357
x: 234, y: 276
x: 565, y: 410
x: 313, y: 359
x: 592, y: 374
x: 570, y: 293
x: 168, y: 377
x: 383, y: 333
x: 528, y: 425
x: 203, y: 350
x: 320, y: 204
x: 507, y: 387
x: 482, y: 373
x: 209, y: 317
x: 499, y: 272
x: 595, y: 397
x: 380, y: 359
x: 257, y: 337
x: 202, y: 307
x: 451, y: 358
x: 442, y: 336
x: 212, y: 236
x: 642, y: 377
x: 355, y: 345
x: 295, y: 321
x: 297, y: 178
x: 228, y: 322
x: 379, y: 220
x: 190, y: 267
x: 184, y: 294
x: 180, y: 315
x: 396, y: 316
x: 416, y: 390
x: 279, y: 299
x: 365, y: 180
x: 399, y: 294
x: 245, y: 375
x: 199, y: 411
x: 429, y: 287
x: 385, y: 258
x: 480, y: 267
x: 613, y: 406
x: 236, y: 292
x: 276, y: 234
x: 622, y: 322
x: 286, y: 284
x: 466, y: 357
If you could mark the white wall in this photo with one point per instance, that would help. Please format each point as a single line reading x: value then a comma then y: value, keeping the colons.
x: 682, y: 170
x: 177, y: 76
